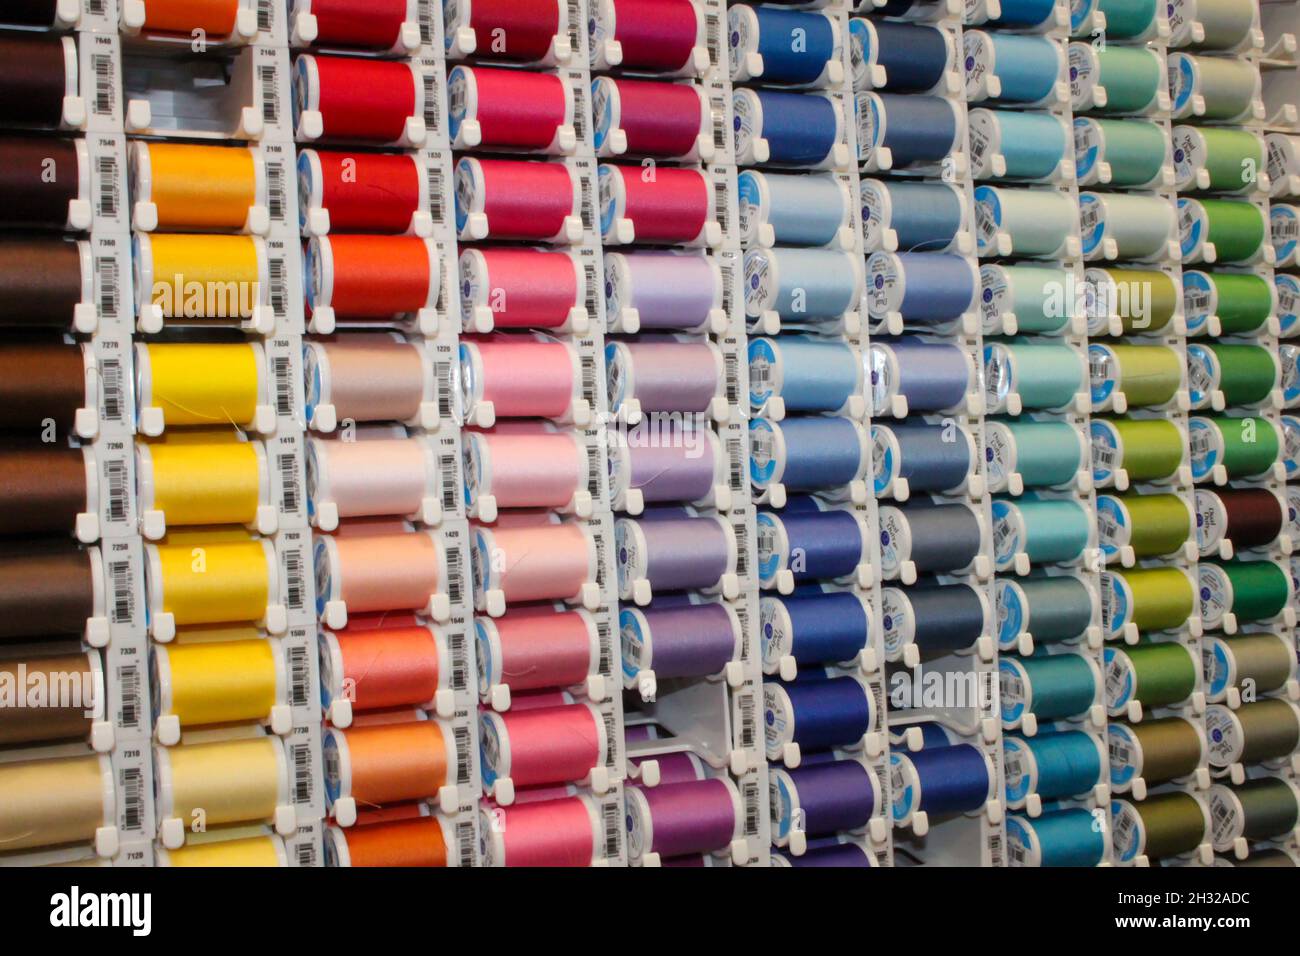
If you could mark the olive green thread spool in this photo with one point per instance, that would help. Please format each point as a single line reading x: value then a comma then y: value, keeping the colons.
x: 1128, y: 450
x: 1254, y: 664
x: 1265, y: 808
x: 1265, y: 730
x: 1153, y: 752
x: 1160, y: 827
x: 1148, y: 675
x: 1123, y: 376
x: 1134, y: 526
x: 1129, y: 301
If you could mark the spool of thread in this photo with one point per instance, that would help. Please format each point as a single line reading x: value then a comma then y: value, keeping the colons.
x: 1266, y: 808
x: 806, y: 374
x: 230, y: 272
x: 801, y: 286
x: 509, y: 109
x: 1065, y: 837
x: 1266, y: 729
x: 205, y: 479
x: 549, y: 833
x: 940, y: 781
x: 1244, y: 447
x: 1152, y: 525
x: 418, y: 842
x: 1260, y: 661
x: 675, y: 819
x: 655, y: 37
x: 673, y: 552
x: 43, y: 489
x: 840, y: 855
x: 1222, y: 160
x: 813, y: 628
x: 1245, y: 517
x: 381, y: 764
x: 346, y: 274
x: 49, y: 589
x: 816, y: 712
x: 369, y: 478
x: 1266, y: 858
x: 1144, y: 375
x: 217, y: 683
x: 1249, y: 590
x: 392, y: 571
x: 357, y: 98
x: 822, y: 799
x: 1036, y: 224
x: 200, y: 383
x: 516, y: 199
x: 530, y: 31
x: 39, y: 72
x: 1143, y: 301
x: 1236, y: 230
x: 673, y: 464
x: 217, y: 18
x: 673, y: 206
x: 936, y: 619
x: 1243, y: 374
x: 647, y: 118
x: 927, y: 376
x: 267, y: 850
x: 55, y: 801
x: 812, y: 453
x: 679, y: 767
x: 790, y: 208
x: 541, y: 469
x: 1151, y: 599
x: 44, y: 281
x: 1224, y: 25
x: 360, y: 192
x: 226, y: 781
x: 41, y: 180
x: 665, y: 376
x: 929, y: 458
x: 51, y: 698
x: 690, y: 640
x: 366, y: 378
x: 1044, y: 454
x: 1032, y: 145
x: 521, y: 378
x: 914, y: 130
x: 541, y: 562
x: 1152, y: 674
x: 536, y: 648
x: 781, y: 46
x: 1052, y: 610
x: 1114, y: 78
x: 1024, y: 14
x: 349, y: 23
x: 211, y: 579
x: 1023, y: 298
x: 199, y: 188
x: 1148, y: 449
x: 927, y: 289
x: 389, y: 666
x: 1157, y: 751
x: 1125, y: 226
x: 649, y: 290
x: 1211, y: 88
x: 922, y: 217
x: 1049, y: 686
x: 1011, y: 67
x: 935, y: 537
x: 1053, y: 766
x: 1161, y: 826
x: 544, y: 746
x: 1241, y: 302
x: 39, y: 13
x: 1045, y: 530
x: 830, y: 543
x: 914, y: 56
x: 1123, y: 19
x: 787, y: 129
x: 1127, y: 153
x: 1041, y: 375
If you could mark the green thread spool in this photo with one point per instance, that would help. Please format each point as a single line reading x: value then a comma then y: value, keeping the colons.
x: 1262, y: 661
x: 1044, y: 375
x: 1144, y: 375
x: 1265, y: 808
x: 1035, y: 297
x: 1220, y: 160
x: 1267, y: 729
x: 1049, y: 686
x: 1249, y: 590
x: 1046, y: 530
x: 1128, y: 154
x: 1154, y: 675
x: 1226, y: 23
x: 1126, y: 225
x: 1243, y: 447
x: 1152, y: 525
x: 1116, y: 79
x: 1125, y: 19
x: 1235, y: 229
x: 1242, y: 303
x: 1149, y: 599
x: 1051, y: 610
x: 1148, y: 449
x: 1043, y: 454
x: 1128, y: 301
x: 1243, y: 374
x: 1164, y: 825
x: 1157, y: 751
x: 1224, y: 87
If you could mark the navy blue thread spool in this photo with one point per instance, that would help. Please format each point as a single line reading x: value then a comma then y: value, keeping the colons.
x: 788, y: 129
x: 810, y: 542
x: 815, y: 712
x: 798, y: 373
x: 1008, y: 144
x: 908, y: 374
x: 928, y: 620
x: 786, y: 47
x: 930, y: 537
x: 822, y: 799
x: 914, y: 217
x: 899, y: 57
x: 812, y: 627
x: 914, y: 456
x: 897, y: 131
x: 941, y: 782
x: 808, y: 453
x: 929, y: 290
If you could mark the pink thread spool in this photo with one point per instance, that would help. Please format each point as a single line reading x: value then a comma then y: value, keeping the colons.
x: 521, y: 377
x: 533, y: 648
x: 513, y: 288
x: 517, y: 199
x: 562, y: 832
x: 504, y: 109
x: 373, y: 477
x: 550, y: 745
x: 392, y: 571
x: 540, y: 562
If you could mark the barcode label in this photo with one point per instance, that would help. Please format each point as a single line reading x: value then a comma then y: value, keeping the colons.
x: 461, y: 736
x: 106, y: 167
x: 299, y: 661
x: 276, y: 270
x: 119, y: 578
x: 455, y: 575
x: 611, y: 741
x: 442, y: 376
x: 728, y: 297
x: 128, y: 682
x: 287, y: 462
x: 275, y: 195
x: 736, y: 463
x: 720, y: 206
x: 742, y: 552
x: 749, y: 794
x: 295, y: 585
x: 116, y: 502
x: 612, y: 820
x: 424, y: 11
x: 465, y: 843
x: 96, y: 7
x: 591, y: 282
x: 579, y: 111
x: 280, y: 373
x: 731, y: 365
x: 268, y: 78
x: 303, y: 773
x: 457, y: 650
x: 742, y: 618
x: 265, y: 15
x: 576, y: 22
x: 431, y: 116
x: 721, y: 134
x: 131, y: 786
x: 593, y: 471
x: 713, y: 37
x: 108, y: 275
x: 305, y: 854
x: 605, y: 643
x: 748, y: 723
x: 433, y: 177
x: 112, y: 395
x: 589, y: 381
x: 600, y: 558
x: 995, y: 850
x: 101, y: 65
x: 448, y: 483
x: 588, y: 210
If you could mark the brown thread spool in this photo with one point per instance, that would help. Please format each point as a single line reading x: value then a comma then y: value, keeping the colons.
x: 48, y: 590
x: 31, y: 13
x: 44, y: 487
x: 42, y: 382
x: 42, y: 280
x: 34, y: 78
x: 38, y: 179
x: 32, y: 720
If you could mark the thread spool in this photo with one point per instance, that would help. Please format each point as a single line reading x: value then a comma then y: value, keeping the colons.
x: 535, y: 648
x: 822, y: 799
x: 673, y: 463
x: 1012, y: 68
x: 362, y: 192
x: 1249, y: 591
x: 785, y: 47
x: 1221, y: 230
x: 43, y: 381
x: 1022, y: 373
x: 562, y: 832
x: 654, y: 37
x: 364, y: 378
x: 1114, y: 79
x: 1023, y: 222
x: 1214, y: 89
x: 260, y: 851
x: 419, y: 842
x: 517, y: 377
x: 182, y: 277
x: 649, y: 290
x: 39, y: 81
x: 1139, y: 376
x: 672, y: 820
x: 516, y: 199
x: 371, y: 478
x: 1151, y: 674
x: 934, y: 619
x: 199, y: 188
x: 1123, y: 19
x: 1051, y: 766
x: 355, y: 98
x: 1142, y: 449
x: 647, y: 118
x: 792, y: 209
x: 914, y: 57
x: 211, y: 578
x: 1129, y: 153
x: 1065, y: 837
x: 672, y: 206
x: 912, y: 216
x: 1145, y: 526
x: 1022, y: 14
x: 1265, y: 808
x: 801, y: 287
x: 1012, y: 145
x: 346, y: 23
x: 394, y: 571
x: 804, y: 374
x: 381, y: 764
x: 910, y: 457
x: 345, y: 272
x: 940, y: 781
x: 933, y: 290
x: 1022, y: 453
x: 924, y: 130
x: 49, y: 490
x: 1024, y: 298
x: 788, y: 129
x: 1242, y: 447
x: 55, y: 801
x: 693, y: 640
x: 1161, y: 826
x: 1263, y: 730
x: 1222, y: 160
x: 390, y: 666
x: 813, y: 629
x: 226, y: 781
x: 1156, y: 751
x: 52, y: 589
x: 544, y: 746
x: 1053, y: 610
x: 1262, y: 662
x: 1232, y: 375
x: 1128, y: 301
x: 679, y: 767
x: 220, y: 20
x: 816, y: 712
x: 1243, y: 518
x: 807, y: 453
x: 1210, y: 24
x: 46, y: 282
x: 1126, y: 226
x: 930, y: 536
x: 41, y: 13
x: 218, y: 682
x: 667, y: 550
x: 1149, y: 599
x: 1046, y: 686
x: 534, y: 31
x: 831, y: 544
x: 1044, y: 530
x: 203, y: 479
x: 45, y: 184
x: 665, y: 376
x: 509, y: 109
x: 201, y: 384
x: 535, y: 469
x: 56, y: 697
x: 917, y: 375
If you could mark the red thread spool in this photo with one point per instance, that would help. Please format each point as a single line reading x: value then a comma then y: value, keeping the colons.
x: 513, y: 288
x: 521, y: 377
x: 559, y: 832
x: 544, y: 746
x: 656, y: 119
x: 535, y: 648
x: 509, y: 29
x: 360, y: 99
x: 515, y: 199
x: 655, y: 35
x: 381, y: 667
x: 372, y: 277
x: 663, y: 204
x: 509, y: 109
x: 362, y: 192
x: 365, y: 24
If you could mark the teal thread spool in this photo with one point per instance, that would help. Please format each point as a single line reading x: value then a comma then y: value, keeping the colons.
x: 1026, y: 374
x: 1045, y: 530
x: 1049, y: 686
x: 1129, y: 153
x: 1072, y: 836
x: 1051, y: 765
x: 1050, y: 609
x: 1114, y: 80
x: 1123, y: 19
x: 1022, y: 453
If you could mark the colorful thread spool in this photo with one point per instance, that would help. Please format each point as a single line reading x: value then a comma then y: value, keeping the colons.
x: 47, y: 282
x: 646, y: 118
x: 813, y: 629
x: 665, y: 376
x: 670, y: 820
x: 803, y: 374
x: 354, y: 98
x: 1141, y: 449
x: 1221, y: 160
x: 1047, y: 687
x: 377, y: 765
x: 529, y: 469
x: 1156, y: 751
x: 1249, y: 591
x: 221, y: 20
x: 516, y: 199
x: 1024, y: 298
x: 260, y: 851
x: 1126, y: 226
x: 1023, y: 14
x: 1044, y: 530
x: 1214, y: 89
x: 933, y: 619
x: 384, y: 571
x: 1266, y: 808
x: 667, y: 550
x: 226, y: 781
x: 648, y: 289
x: 1011, y: 145
x: 1050, y: 610
x: 205, y: 479
x: 1264, y: 730
x: 670, y: 206
x: 806, y: 543
x: 39, y: 81
x: 821, y: 799
x: 1221, y: 230
x: 1129, y: 153
x: 1233, y: 375
x: 523, y: 288
x: 1148, y: 674
x: 52, y: 589
x: 910, y: 457
x: 1023, y: 222
x: 550, y: 833
x: 56, y: 801
x: 910, y: 374
x: 1051, y: 766
x: 925, y: 289
x: 217, y: 682
x: 211, y: 578
x: 1128, y: 301
x: 792, y: 209
x: 1164, y: 825
x: 1067, y: 837
x: 1143, y: 526
x: 788, y: 129
x: 199, y: 188
x: 912, y: 217
x: 1123, y: 19
x: 49, y: 490
x: 658, y: 465
x: 347, y: 23
x: 182, y: 277
x: 940, y: 781
x: 59, y: 697
x: 1139, y: 376
x: 896, y: 131
x: 363, y: 192
x: 505, y: 109
x: 535, y: 648
x: 420, y: 842
x: 783, y: 47
x: 541, y: 562
x: 1022, y: 453
x: 901, y: 57
x: 544, y: 746
x: 1243, y: 518
x: 801, y: 287
x: 1145, y: 599
x: 533, y: 31
x: 1262, y: 662
x: 382, y: 667
x: 807, y: 453
x: 1222, y: 25
x: 692, y: 640
x: 369, y: 378
x: 1011, y: 68
x: 930, y: 536
x: 815, y: 712
x: 1114, y: 79
x: 346, y: 271
x: 521, y: 377
x: 1241, y: 447
x: 644, y: 35
x: 1027, y: 374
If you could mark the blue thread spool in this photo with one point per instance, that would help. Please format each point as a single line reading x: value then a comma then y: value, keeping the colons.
x: 920, y: 289
x: 1025, y: 298
x: 1005, y: 144
x: 1011, y: 68
x: 1048, y: 686
x: 810, y: 453
x: 924, y: 734
x: 911, y: 456
x: 1022, y: 453
x: 1071, y: 836
x: 813, y: 628
x: 1024, y: 14
x: 896, y: 131
x: 1052, y: 766
x: 834, y: 854
x: 822, y: 798
x: 913, y: 217
x: 932, y: 537
x: 911, y: 374
x: 801, y: 287
x: 1026, y: 374
x: 792, y: 209
x: 941, y: 782
x: 1044, y: 530
x: 803, y: 374
x: 930, y: 620
x: 788, y: 129
x: 1050, y: 610
x: 899, y: 57
x: 787, y: 47
x: 806, y: 543
x: 816, y: 712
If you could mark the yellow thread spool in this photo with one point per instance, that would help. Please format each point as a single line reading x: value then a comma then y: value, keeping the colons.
x: 210, y: 577
x: 196, y: 187
x: 211, y: 478
x: 201, y: 384
x: 215, y: 683
x: 266, y: 850
x: 225, y: 781
x: 199, y: 277
x: 52, y: 802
